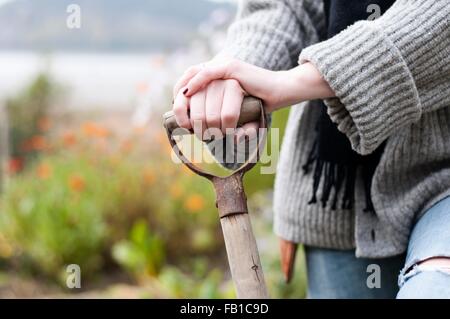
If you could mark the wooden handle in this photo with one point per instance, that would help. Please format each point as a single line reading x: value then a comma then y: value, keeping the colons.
x: 250, y: 112
x: 243, y: 257
x: 240, y: 243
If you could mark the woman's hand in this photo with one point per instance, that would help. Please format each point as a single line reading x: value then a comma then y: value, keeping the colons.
x: 213, y: 92
x: 215, y: 106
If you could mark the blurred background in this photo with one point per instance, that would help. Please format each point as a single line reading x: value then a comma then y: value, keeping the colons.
x: 86, y: 176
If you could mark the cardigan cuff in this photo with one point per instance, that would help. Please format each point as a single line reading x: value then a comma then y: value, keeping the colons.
x: 375, y: 90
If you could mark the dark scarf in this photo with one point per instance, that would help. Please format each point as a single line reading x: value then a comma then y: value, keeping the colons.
x: 334, y: 160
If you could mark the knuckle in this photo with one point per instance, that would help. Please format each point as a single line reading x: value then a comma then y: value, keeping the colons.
x: 232, y: 64
x: 198, y: 117
x: 233, y: 85
x: 177, y: 114
x: 251, y: 131
x: 198, y: 127
x: 178, y: 110
x: 184, y: 124
x: 177, y: 105
x: 214, y: 85
x: 191, y: 69
x: 213, y: 119
x: 181, y: 121
x: 206, y: 73
x: 229, y: 119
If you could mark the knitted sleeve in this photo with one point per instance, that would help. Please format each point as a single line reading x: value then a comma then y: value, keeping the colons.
x: 271, y: 33
x: 386, y: 73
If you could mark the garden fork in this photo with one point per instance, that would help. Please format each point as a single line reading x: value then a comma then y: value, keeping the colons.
x: 231, y: 201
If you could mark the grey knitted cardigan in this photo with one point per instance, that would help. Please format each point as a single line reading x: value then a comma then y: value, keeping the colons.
x: 391, y: 77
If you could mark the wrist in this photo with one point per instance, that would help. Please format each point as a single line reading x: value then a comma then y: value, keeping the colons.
x: 300, y: 84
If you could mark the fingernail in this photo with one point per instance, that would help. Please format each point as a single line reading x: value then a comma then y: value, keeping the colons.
x: 185, y: 91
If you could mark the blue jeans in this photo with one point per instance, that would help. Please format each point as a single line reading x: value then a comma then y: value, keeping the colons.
x: 339, y: 274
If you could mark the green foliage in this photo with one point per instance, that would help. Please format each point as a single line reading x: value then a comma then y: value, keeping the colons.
x: 254, y: 181
x: 275, y: 278
x: 52, y: 225
x: 76, y: 203
x: 142, y: 253
x: 201, y: 283
x: 26, y: 111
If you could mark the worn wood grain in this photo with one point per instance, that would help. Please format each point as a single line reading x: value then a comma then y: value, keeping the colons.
x: 243, y: 257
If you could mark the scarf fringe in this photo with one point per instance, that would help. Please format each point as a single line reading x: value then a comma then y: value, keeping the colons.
x: 334, y: 177
x: 338, y: 177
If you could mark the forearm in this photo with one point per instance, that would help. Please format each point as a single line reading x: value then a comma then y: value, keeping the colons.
x: 302, y: 83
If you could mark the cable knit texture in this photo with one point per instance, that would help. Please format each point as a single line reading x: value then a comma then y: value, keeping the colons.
x: 391, y: 77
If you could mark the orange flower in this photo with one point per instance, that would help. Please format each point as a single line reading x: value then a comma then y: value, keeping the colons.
x: 76, y: 183
x: 149, y: 177
x: 175, y: 191
x: 94, y: 130
x: 194, y: 203
x: 161, y: 137
x: 126, y: 146
x: 101, y: 146
x: 35, y: 143
x: 69, y: 139
x: 44, y: 171
x: 15, y: 165
x: 142, y: 87
x: 139, y: 130
x: 44, y: 124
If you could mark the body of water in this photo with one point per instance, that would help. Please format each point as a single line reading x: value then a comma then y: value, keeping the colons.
x: 89, y: 80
